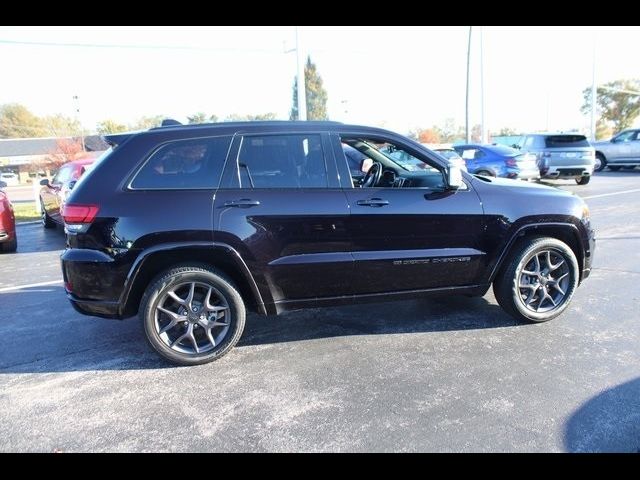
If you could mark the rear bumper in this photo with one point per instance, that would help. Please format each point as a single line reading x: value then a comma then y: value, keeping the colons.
x: 566, y: 171
x: 95, y: 308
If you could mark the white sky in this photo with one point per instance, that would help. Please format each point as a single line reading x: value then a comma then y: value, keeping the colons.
x: 396, y: 77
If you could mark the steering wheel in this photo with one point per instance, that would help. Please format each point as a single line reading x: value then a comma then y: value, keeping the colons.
x: 372, y: 177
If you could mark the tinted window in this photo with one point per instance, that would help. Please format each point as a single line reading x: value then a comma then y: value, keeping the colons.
x: 184, y: 164
x: 564, y: 141
x: 282, y: 161
x: 63, y: 175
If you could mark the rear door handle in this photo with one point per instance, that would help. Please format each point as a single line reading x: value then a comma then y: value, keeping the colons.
x: 242, y: 203
x: 373, y: 202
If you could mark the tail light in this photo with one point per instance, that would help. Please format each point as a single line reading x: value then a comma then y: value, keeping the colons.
x: 511, y: 162
x: 77, y: 218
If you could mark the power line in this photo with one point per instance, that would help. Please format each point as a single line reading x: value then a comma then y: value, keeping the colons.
x: 144, y: 47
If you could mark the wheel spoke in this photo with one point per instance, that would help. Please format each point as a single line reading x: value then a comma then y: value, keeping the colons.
x: 531, y: 296
x: 537, y: 260
x: 189, y: 299
x: 557, y: 280
x: 558, y: 288
x: 175, y: 297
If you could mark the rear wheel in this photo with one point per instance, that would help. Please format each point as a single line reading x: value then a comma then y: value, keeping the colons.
x: 192, y: 315
x: 538, y: 279
x: 583, y: 180
x: 601, y: 162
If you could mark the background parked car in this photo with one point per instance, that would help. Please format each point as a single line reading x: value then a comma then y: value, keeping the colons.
x: 54, y: 194
x: 448, y: 152
x: 8, y: 238
x: 11, y: 179
x: 498, y: 161
x: 562, y: 155
x: 623, y: 150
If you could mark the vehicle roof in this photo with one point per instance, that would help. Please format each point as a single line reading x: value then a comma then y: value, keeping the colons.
x: 555, y: 134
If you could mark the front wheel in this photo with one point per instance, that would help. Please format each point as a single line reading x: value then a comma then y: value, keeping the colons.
x: 538, y: 279
x: 583, y: 180
x: 47, y: 222
x: 601, y: 162
x: 192, y: 315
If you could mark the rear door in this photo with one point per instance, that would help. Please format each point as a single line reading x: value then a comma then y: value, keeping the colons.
x: 281, y: 207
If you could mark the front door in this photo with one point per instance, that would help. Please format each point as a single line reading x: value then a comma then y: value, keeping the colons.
x: 407, y: 231
x: 281, y: 207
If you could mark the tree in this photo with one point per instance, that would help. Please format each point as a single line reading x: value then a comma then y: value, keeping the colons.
x: 16, y: 121
x: 235, y: 117
x: 199, y: 117
x: 145, y: 123
x: 449, y: 131
x: 603, y: 130
x: 430, y: 135
x: 105, y: 127
x: 66, y: 149
x: 315, y: 93
x: 59, y: 125
x: 506, y: 132
x: 616, y: 107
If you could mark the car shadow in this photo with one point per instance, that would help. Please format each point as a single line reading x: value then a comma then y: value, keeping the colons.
x: 32, y: 237
x: 69, y: 342
x: 609, y: 422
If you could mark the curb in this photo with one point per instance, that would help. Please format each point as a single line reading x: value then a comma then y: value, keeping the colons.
x: 32, y: 222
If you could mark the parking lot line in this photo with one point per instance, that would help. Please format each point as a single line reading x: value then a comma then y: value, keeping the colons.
x: 30, y: 285
x: 611, y: 194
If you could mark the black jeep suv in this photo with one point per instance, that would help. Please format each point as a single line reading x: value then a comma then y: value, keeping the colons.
x: 189, y: 226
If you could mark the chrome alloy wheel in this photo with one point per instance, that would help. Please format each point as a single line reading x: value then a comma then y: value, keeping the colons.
x: 192, y: 318
x: 544, y: 280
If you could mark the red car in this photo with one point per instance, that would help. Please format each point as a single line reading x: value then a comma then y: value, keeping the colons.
x: 54, y: 194
x: 8, y: 239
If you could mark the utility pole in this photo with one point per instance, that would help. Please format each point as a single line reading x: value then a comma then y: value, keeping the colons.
x: 468, y: 132
x: 483, y: 135
x: 302, y: 94
x: 594, y: 90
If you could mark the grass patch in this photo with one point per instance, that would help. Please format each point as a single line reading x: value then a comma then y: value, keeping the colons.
x: 25, y: 212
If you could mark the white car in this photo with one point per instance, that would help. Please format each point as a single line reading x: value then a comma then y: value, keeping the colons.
x: 11, y: 179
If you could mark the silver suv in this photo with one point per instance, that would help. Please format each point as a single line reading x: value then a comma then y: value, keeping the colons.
x: 561, y: 155
x: 623, y: 150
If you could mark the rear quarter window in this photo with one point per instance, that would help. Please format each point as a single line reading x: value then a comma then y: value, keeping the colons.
x: 184, y: 164
x: 565, y: 141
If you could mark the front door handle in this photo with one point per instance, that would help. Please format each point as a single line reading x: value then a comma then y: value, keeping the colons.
x: 242, y: 203
x: 373, y: 202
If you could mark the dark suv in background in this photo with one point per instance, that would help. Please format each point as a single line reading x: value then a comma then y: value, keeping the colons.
x: 189, y: 226
x: 561, y: 155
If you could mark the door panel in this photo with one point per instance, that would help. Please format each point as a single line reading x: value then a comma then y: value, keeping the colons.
x: 420, y: 239
x: 293, y: 238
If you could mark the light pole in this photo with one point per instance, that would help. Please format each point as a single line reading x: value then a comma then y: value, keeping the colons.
x: 468, y: 133
x: 301, y: 85
x: 76, y: 101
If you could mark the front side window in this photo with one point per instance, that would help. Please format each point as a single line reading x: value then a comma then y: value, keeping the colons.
x: 282, y: 161
x: 184, y: 164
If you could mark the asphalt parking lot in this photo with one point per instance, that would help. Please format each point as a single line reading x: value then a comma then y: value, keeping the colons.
x: 449, y: 374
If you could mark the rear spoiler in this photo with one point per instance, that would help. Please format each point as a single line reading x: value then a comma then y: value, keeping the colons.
x: 117, y: 138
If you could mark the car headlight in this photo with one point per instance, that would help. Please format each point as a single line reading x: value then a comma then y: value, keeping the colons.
x: 586, y: 214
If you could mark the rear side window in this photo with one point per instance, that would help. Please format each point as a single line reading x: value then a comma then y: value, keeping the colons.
x: 566, y: 141
x: 282, y: 161
x: 184, y: 164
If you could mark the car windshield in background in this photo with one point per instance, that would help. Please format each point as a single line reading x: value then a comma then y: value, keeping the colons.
x: 565, y: 141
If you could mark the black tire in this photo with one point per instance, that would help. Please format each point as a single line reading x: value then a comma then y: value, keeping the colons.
x: 583, y: 180
x: 9, y: 247
x: 614, y: 168
x: 603, y: 162
x: 506, y: 286
x: 47, y: 222
x: 203, y: 276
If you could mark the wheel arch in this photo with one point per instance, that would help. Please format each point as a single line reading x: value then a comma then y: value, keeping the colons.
x: 163, y: 257
x: 565, y: 232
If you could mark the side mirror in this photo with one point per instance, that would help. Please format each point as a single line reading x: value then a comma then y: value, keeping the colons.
x: 72, y: 184
x: 614, y: 140
x: 365, y: 165
x: 44, y: 182
x: 3, y: 184
x: 454, y: 177
x: 515, y: 145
